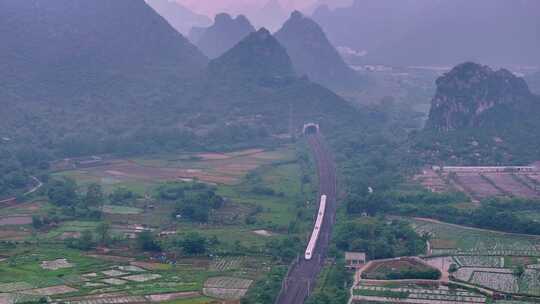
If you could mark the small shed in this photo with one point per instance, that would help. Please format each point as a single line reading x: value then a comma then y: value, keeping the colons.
x: 354, y: 260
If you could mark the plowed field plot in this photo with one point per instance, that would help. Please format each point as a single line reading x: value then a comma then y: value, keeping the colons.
x: 114, y: 281
x: 56, y: 264
x: 142, y: 277
x: 226, y: 287
x: 480, y: 261
x: 477, y: 185
x: 109, y: 300
x: 510, y: 185
x: 506, y: 282
x: 15, y: 220
x: 226, y: 264
x: 51, y: 291
x: 13, y: 287
x: 466, y: 273
x: 432, y: 181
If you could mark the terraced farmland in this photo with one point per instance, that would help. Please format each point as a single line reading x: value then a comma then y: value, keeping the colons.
x: 509, y: 184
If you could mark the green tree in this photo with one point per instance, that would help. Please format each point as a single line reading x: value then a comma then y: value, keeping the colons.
x: 146, y: 241
x: 37, y: 223
x: 63, y: 192
x: 194, y: 243
x: 103, y: 230
x: 519, y: 271
x: 94, y: 196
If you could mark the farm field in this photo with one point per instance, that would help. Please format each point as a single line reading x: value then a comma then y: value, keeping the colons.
x: 484, y: 258
x: 459, y: 240
x: 509, y: 184
x: 482, y: 185
x: 67, y: 275
x: 218, y: 168
x: 267, y: 187
x: 414, y: 294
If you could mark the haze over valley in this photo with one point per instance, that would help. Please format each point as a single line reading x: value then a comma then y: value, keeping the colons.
x: 269, y: 151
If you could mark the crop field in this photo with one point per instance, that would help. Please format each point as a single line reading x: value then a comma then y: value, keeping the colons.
x: 509, y: 184
x: 228, y: 288
x: 122, y: 210
x: 480, y: 261
x: 477, y: 185
x: 459, y: 240
x: 217, y: 168
x: 43, y: 265
x: 484, y: 185
x: 68, y: 276
x: 414, y: 294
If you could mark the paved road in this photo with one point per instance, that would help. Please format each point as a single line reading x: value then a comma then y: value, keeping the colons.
x: 302, y: 276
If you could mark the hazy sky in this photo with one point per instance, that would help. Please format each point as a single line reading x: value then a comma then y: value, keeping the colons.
x: 211, y: 7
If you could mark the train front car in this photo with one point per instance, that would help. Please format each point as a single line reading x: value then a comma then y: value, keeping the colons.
x: 315, y: 234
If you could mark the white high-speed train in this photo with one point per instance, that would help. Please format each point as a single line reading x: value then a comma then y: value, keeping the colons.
x: 316, y: 230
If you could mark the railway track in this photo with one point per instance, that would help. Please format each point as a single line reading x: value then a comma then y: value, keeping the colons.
x: 302, y: 275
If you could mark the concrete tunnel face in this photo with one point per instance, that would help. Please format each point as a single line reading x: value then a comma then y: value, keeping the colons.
x: 311, y: 128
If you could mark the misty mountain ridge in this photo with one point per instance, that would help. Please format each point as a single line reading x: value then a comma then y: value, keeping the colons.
x: 179, y: 16
x: 258, y: 56
x: 313, y: 55
x: 61, y: 43
x: 255, y: 81
x: 222, y: 35
x: 425, y: 32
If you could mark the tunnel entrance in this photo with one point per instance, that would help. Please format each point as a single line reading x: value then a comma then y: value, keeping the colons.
x: 310, y: 128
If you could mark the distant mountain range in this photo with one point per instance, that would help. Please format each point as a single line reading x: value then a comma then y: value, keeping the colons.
x: 72, y: 86
x: 479, y: 115
x: 222, y: 35
x: 179, y: 16
x: 426, y: 32
x: 313, y: 55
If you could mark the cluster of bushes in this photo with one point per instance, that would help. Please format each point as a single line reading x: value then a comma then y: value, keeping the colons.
x: 407, y: 274
x: 503, y: 214
x: 378, y: 238
x: 64, y: 194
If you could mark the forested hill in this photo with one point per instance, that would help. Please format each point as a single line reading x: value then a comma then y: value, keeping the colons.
x: 222, y: 35
x: 313, y: 55
x: 479, y: 115
x: 134, y: 85
x: 259, y: 55
x: 257, y: 80
x: 55, y: 49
